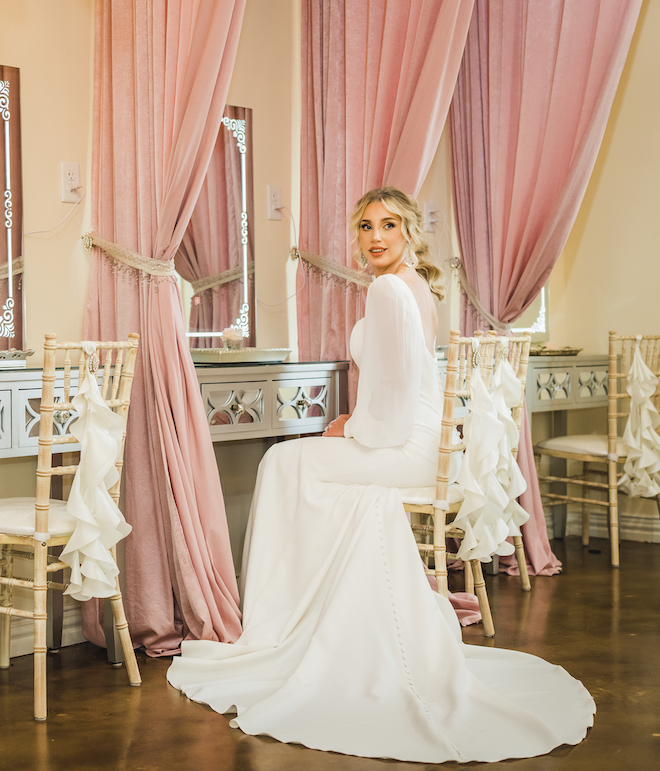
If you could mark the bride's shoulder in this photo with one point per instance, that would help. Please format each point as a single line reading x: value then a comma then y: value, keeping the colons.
x: 389, y: 284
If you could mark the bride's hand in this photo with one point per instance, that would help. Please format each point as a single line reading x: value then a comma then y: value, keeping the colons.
x: 336, y: 426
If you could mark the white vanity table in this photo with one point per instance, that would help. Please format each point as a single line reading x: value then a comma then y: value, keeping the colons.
x: 249, y: 401
x: 242, y: 401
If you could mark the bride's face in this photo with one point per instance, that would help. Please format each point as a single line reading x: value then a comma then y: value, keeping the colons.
x: 381, y: 239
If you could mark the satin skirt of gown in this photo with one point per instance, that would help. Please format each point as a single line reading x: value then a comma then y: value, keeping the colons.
x: 345, y: 646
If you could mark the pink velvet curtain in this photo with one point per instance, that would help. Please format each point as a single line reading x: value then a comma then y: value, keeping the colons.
x: 212, y: 242
x: 162, y: 72
x: 531, y: 104
x: 377, y: 81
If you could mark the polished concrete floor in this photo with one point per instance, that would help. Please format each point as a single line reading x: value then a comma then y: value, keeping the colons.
x: 602, y: 625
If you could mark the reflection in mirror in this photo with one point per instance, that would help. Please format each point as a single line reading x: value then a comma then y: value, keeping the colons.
x: 216, y: 257
x: 11, y: 240
x: 535, y: 319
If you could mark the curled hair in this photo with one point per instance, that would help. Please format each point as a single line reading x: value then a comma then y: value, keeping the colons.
x: 406, y: 207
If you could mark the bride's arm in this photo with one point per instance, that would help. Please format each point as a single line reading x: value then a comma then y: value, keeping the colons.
x: 390, y: 367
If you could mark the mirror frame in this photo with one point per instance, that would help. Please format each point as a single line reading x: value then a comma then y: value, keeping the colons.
x: 12, y: 311
x: 240, y: 129
x: 237, y: 127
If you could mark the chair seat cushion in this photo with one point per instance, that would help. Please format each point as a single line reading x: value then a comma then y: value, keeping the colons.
x: 17, y: 517
x: 424, y: 496
x: 585, y: 444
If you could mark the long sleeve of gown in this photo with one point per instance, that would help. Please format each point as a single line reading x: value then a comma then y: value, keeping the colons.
x: 390, y: 366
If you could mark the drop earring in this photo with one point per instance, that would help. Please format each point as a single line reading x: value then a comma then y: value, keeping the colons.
x: 408, y: 259
x: 363, y: 260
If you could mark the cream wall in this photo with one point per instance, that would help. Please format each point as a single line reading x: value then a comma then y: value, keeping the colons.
x: 51, y: 44
x: 436, y: 192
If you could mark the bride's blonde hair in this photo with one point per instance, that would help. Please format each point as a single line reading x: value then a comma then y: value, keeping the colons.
x: 397, y: 202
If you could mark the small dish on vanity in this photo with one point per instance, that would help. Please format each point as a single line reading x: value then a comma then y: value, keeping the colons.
x: 14, y: 359
x: 542, y: 350
x: 239, y: 355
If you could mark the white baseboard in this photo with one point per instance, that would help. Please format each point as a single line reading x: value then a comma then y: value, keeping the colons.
x: 22, y: 634
x: 632, y: 527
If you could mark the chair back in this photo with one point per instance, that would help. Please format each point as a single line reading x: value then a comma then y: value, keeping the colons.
x: 620, y: 357
x: 464, y: 354
x: 114, y: 365
x: 515, y: 349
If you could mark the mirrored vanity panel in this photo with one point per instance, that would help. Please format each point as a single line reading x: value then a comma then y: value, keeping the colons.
x: 20, y: 400
x: 216, y: 258
x: 244, y: 402
x: 566, y: 382
x: 11, y: 233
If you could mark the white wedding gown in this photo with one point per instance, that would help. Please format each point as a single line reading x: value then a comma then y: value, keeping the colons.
x: 345, y: 646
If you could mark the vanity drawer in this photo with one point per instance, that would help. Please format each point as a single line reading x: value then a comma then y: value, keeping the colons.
x: 553, y: 388
x: 233, y: 408
x: 591, y: 385
x: 29, y: 402
x: 303, y: 405
x: 5, y: 420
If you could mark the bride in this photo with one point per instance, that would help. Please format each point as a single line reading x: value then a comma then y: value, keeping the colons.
x: 345, y: 646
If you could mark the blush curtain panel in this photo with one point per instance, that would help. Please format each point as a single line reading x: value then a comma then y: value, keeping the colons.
x: 377, y: 80
x: 162, y: 72
x: 532, y: 100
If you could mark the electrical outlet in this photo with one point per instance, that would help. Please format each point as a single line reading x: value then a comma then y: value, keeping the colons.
x: 274, y: 202
x: 70, y: 173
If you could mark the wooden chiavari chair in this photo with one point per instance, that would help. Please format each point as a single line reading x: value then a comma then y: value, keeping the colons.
x: 432, y: 518
x: 608, y: 450
x: 30, y: 526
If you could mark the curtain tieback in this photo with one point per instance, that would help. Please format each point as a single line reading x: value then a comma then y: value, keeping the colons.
x: 16, y: 268
x: 159, y: 268
x: 327, y: 267
x: 217, y: 279
x: 496, y: 324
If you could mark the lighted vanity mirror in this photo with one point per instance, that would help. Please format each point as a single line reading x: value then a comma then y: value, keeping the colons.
x: 216, y: 258
x: 11, y: 235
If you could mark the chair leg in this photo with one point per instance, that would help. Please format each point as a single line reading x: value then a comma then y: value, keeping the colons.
x: 468, y: 577
x: 40, y: 623
x: 5, y: 601
x: 526, y: 584
x: 585, y: 508
x: 126, y: 643
x: 482, y: 596
x: 613, y: 511
x: 440, y: 555
x: 55, y: 609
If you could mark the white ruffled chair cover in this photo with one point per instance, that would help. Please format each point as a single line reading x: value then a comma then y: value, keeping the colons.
x: 99, y: 524
x: 641, y: 477
x: 489, y: 476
